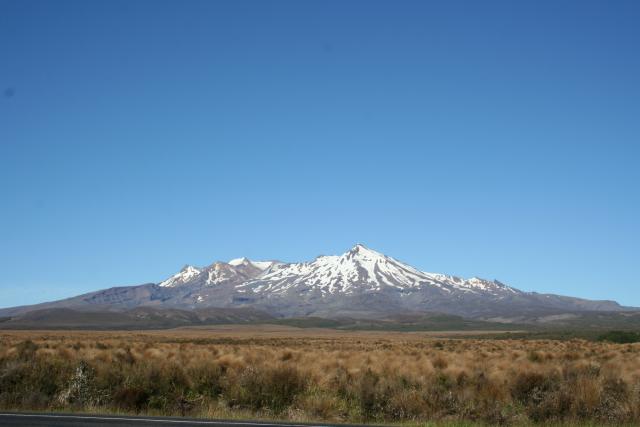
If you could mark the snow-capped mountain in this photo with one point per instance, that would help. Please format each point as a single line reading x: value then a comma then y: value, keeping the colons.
x: 359, y: 283
x: 362, y: 270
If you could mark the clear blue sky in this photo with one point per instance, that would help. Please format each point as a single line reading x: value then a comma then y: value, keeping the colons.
x: 497, y: 139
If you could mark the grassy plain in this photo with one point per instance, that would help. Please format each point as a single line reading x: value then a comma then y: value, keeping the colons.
x: 279, y: 372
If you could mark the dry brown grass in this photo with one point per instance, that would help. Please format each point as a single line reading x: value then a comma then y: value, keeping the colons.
x: 319, y: 375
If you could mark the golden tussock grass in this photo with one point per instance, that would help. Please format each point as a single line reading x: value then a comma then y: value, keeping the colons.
x: 321, y: 376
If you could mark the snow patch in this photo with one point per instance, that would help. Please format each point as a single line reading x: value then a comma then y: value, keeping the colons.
x: 187, y: 273
x: 262, y: 265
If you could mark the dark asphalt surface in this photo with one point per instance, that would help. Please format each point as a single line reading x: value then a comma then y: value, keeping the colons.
x: 70, y: 420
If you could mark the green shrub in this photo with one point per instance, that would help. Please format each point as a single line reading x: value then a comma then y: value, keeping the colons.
x: 207, y: 379
x: 620, y: 337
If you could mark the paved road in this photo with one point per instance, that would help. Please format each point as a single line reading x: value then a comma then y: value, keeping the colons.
x: 70, y: 420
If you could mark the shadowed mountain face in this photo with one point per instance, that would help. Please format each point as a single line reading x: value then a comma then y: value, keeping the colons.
x: 137, y: 318
x: 359, y: 283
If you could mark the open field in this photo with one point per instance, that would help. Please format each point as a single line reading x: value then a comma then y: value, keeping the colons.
x: 279, y: 372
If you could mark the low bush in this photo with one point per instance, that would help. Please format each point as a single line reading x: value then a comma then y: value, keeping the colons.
x: 620, y: 337
x: 272, y: 388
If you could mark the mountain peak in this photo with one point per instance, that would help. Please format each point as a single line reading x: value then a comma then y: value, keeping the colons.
x: 187, y: 273
x: 360, y: 249
x: 244, y: 261
x: 358, y: 270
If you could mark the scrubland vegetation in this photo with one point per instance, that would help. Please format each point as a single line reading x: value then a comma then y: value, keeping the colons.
x: 346, y: 377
